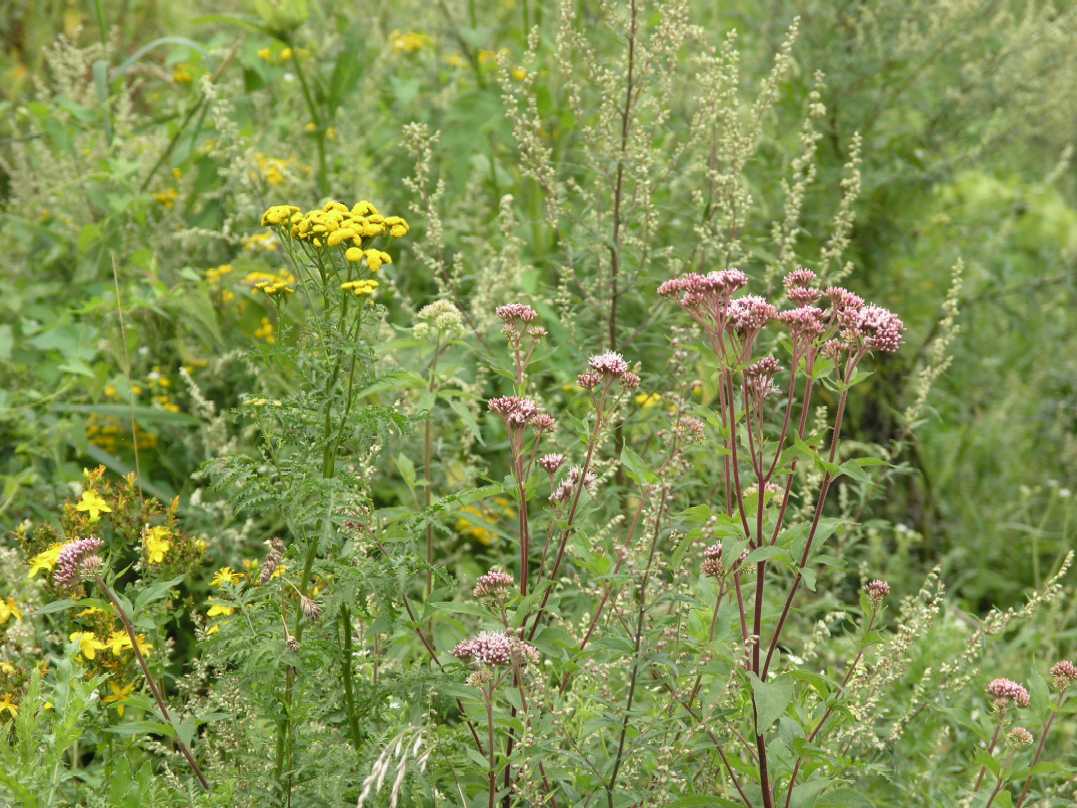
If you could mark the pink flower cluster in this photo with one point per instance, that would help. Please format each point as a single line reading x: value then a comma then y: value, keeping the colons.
x: 1064, y: 674
x: 568, y: 485
x: 516, y: 312
x: 877, y: 590
x: 495, y: 582
x: 607, y: 367
x: 881, y: 329
x: 861, y: 327
x: 77, y: 559
x: 496, y: 648
x: 750, y: 313
x: 517, y: 412
x: 695, y: 291
x: 551, y: 462
x: 712, y: 561
x: 1005, y: 691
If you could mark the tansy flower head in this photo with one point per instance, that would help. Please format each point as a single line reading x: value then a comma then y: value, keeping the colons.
x: 360, y: 288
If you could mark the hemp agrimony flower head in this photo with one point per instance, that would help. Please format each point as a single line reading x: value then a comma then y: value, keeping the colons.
x: 880, y: 329
x: 513, y: 314
x: 495, y: 649
x: 78, y: 561
x: 805, y: 324
x: 551, y: 462
x: 568, y: 485
x: 1063, y: 674
x: 517, y: 412
x: 798, y: 287
x: 877, y: 590
x: 440, y: 320
x: 495, y: 583
x: 705, y: 297
x: 605, y: 369
x: 1019, y: 737
x: 712, y: 561
x: 748, y: 314
x: 1006, y: 692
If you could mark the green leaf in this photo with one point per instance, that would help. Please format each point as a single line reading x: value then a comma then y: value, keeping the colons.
x: 145, y: 727
x: 636, y: 468
x: 771, y: 551
x: 771, y: 699
x: 155, y: 592
x: 407, y: 470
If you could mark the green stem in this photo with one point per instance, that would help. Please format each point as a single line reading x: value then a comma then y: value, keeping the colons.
x: 319, y: 134
x: 346, y: 671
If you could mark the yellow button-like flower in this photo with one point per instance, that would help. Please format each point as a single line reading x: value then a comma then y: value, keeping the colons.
x: 118, y: 694
x: 45, y: 560
x: 91, y: 503
x: 375, y: 258
x: 647, y: 400
x: 354, y: 255
x: 360, y: 288
x: 89, y: 645
x: 157, y: 544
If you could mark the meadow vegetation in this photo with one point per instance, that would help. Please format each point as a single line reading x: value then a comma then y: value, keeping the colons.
x: 520, y: 403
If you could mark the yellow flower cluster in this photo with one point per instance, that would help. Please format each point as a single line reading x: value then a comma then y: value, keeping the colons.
x: 272, y: 283
x: 266, y: 332
x: 214, y: 275
x: 360, y: 288
x: 117, y: 642
x: 480, y: 523
x: 335, y: 224
x: 408, y: 42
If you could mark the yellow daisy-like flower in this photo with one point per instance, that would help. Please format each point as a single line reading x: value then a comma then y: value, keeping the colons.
x: 226, y: 575
x: 647, y: 400
x: 92, y: 504
x: 8, y: 609
x: 92, y: 611
x: 120, y: 641
x: 7, y: 667
x: 157, y: 544
x: 118, y: 694
x: 8, y: 705
x: 89, y: 645
x: 45, y: 560
x: 214, y: 629
x: 220, y: 610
